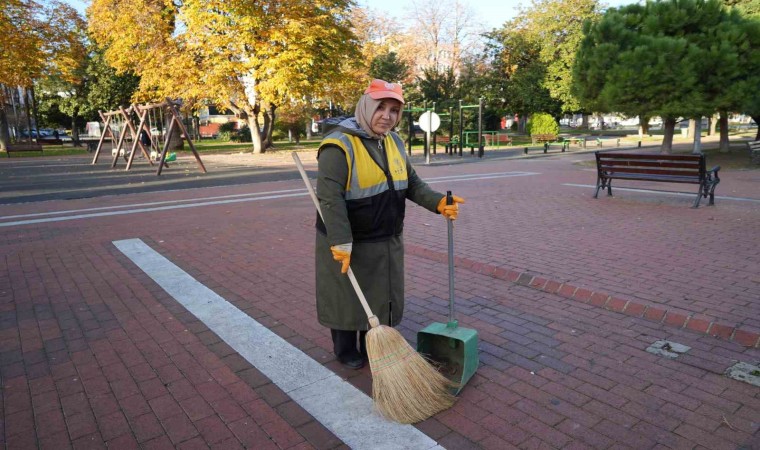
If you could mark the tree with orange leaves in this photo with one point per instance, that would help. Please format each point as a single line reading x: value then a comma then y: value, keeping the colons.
x: 245, y: 55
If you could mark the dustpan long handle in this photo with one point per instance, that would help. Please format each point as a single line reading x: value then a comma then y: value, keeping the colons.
x: 450, y: 229
x: 373, y: 320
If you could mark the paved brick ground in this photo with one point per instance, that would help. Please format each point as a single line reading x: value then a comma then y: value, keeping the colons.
x: 565, y: 291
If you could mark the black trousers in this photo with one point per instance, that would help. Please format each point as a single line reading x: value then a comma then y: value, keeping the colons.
x: 348, y: 343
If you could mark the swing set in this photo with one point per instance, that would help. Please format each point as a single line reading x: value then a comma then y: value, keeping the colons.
x: 146, y: 116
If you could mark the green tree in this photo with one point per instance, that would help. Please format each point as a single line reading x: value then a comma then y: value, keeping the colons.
x: 435, y: 85
x: 388, y: 67
x: 517, y: 75
x: 555, y: 27
x: 751, y: 103
x: 668, y: 58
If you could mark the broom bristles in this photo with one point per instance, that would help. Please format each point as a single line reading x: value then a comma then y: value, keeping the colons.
x: 406, y: 388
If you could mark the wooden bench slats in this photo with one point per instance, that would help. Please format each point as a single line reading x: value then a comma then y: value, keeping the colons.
x: 656, y: 167
x: 657, y: 157
x: 22, y: 147
x: 640, y: 163
x: 613, y: 171
x: 665, y: 178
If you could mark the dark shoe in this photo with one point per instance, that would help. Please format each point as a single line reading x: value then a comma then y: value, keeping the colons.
x: 352, y: 360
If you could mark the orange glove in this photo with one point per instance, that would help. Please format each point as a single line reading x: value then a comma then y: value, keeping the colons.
x: 450, y: 211
x: 342, y: 254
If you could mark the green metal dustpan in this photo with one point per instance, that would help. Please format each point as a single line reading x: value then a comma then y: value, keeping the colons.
x: 455, y: 349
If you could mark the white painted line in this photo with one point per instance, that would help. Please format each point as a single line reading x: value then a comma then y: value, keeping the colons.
x: 204, y: 201
x: 165, y: 202
x: 142, y: 210
x: 343, y: 409
x: 649, y: 191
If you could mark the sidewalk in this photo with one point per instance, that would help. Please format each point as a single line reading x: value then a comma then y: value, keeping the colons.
x: 95, y: 354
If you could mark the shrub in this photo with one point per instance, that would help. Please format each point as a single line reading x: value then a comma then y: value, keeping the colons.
x: 226, y: 132
x: 242, y: 135
x: 542, y: 123
x: 227, y: 127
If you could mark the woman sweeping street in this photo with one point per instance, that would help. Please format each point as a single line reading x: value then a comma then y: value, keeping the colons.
x: 364, y: 178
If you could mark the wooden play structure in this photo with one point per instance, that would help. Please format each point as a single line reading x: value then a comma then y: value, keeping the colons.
x: 144, y: 134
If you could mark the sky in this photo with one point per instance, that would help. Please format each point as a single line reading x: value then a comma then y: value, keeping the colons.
x: 491, y: 13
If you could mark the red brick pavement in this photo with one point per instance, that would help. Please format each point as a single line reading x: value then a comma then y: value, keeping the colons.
x: 93, y: 354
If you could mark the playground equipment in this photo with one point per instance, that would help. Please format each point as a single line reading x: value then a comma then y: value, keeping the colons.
x: 146, y: 115
x: 480, y: 127
x: 114, y: 124
x: 175, y: 125
x: 465, y: 138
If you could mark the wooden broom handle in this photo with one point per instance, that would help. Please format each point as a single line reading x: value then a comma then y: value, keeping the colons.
x: 373, y: 320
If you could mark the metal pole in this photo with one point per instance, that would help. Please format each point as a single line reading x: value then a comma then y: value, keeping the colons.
x: 480, y: 128
x: 450, y: 229
x: 451, y: 129
x: 426, y: 144
x: 461, y: 124
x: 411, y: 130
x: 435, y: 133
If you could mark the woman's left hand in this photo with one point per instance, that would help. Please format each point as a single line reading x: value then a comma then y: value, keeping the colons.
x: 450, y: 211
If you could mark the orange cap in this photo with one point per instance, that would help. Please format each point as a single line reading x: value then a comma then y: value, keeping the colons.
x: 380, y: 89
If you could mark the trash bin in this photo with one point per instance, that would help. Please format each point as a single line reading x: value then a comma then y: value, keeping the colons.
x: 685, y: 132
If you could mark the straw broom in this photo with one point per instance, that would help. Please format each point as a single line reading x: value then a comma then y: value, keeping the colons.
x: 405, y: 387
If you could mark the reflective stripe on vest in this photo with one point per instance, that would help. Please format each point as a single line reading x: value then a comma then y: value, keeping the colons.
x: 365, y: 177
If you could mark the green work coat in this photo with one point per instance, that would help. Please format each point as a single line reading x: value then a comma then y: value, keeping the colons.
x: 378, y: 266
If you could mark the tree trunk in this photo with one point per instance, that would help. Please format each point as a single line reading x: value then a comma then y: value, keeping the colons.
x: 28, y: 115
x: 14, y: 129
x: 697, y: 150
x: 5, y: 136
x: 197, y: 127
x: 643, y: 126
x: 692, y: 127
x: 175, y: 140
x: 713, y: 121
x: 253, y: 125
x: 36, y: 113
x: 521, y: 123
x: 265, y: 142
x: 757, y: 122
x: 584, y: 121
x: 74, y: 130
x: 269, y: 127
x: 668, y: 126
x: 724, y: 144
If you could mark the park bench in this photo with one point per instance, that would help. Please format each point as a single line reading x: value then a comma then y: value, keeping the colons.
x: 498, y: 138
x: 580, y: 141
x: 543, y: 138
x: 50, y: 141
x: 656, y: 167
x: 754, y: 151
x: 22, y: 147
x: 548, y: 140
x: 600, y: 141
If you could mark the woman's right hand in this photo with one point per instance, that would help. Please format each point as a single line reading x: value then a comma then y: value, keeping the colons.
x: 342, y: 254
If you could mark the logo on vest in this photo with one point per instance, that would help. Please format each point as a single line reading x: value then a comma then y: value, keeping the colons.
x: 398, y: 166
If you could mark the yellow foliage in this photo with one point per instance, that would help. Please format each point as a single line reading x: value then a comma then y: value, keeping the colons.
x: 22, y: 58
x: 248, y: 53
